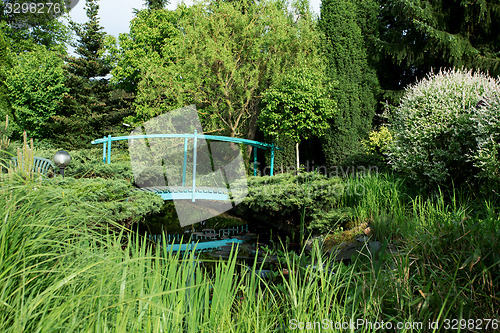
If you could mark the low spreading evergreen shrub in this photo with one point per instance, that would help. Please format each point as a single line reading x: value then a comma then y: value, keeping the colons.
x: 324, y: 203
x: 97, y: 202
x: 284, y: 196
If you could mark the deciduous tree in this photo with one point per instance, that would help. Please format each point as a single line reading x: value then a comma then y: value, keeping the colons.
x: 221, y: 56
x: 25, y: 29
x: 36, y: 87
x: 5, y: 65
x: 298, y: 106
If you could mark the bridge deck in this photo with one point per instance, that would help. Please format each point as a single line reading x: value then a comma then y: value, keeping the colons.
x: 182, y: 192
x: 204, y: 246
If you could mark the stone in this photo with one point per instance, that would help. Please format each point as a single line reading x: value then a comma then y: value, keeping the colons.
x: 362, y: 239
x: 374, y: 246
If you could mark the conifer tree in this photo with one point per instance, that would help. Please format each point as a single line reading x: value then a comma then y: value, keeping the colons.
x: 348, y: 65
x: 156, y: 4
x: 86, y: 108
x: 420, y: 36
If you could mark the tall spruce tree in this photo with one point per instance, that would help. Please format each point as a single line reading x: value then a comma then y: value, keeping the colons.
x: 347, y: 55
x: 420, y: 36
x: 86, y: 107
x: 156, y: 4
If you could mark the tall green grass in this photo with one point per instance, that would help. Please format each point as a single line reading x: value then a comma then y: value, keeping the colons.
x: 59, y: 274
x: 447, y: 256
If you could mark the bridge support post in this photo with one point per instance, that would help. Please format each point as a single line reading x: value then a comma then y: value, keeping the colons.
x: 184, y: 165
x: 255, y: 161
x: 272, y: 159
x: 194, y: 163
x: 104, y: 151
x: 109, y: 149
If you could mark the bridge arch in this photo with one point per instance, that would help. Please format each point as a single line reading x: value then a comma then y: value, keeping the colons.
x: 193, y: 192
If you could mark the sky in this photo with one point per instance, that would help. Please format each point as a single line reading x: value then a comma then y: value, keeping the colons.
x: 116, y: 14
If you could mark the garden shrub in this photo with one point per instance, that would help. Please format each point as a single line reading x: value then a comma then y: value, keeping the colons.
x: 97, y: 202
x: 439, y: 127
x: 87, y: 163
x: 281, y: 198
x: 4, y: 134
x: 98, y: 168
x: 6, y: 150
x: 36, y: 88
x: 487, y: 155
x: 373, y: 153
x: 378, y: 142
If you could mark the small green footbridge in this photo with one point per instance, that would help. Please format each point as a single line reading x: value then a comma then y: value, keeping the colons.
x: 184, y: 190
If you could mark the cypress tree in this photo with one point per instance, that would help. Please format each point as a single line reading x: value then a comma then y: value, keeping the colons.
x: 347, y: 55
x: 5, y: 65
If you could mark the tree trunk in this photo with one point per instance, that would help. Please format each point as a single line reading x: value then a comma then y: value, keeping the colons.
x: 298, y: 162
x: 252, y: 126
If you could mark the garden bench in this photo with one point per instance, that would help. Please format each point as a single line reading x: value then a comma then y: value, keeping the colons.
x: 40, y: 165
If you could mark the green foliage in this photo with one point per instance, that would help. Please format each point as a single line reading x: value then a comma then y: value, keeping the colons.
x: 98, y: 168
x: 100, y: 194
x: 376, y: 148
x: 487, y: 133
x: 36, y: 86
x: 58, y: 272
x: 51, y: 261
x: 5, y: 66
x: 35, y: 30
x: 379, y: 141
x: 156, y: 4
x: 284, y: 160
x: 87, y: 110
x: 298, y: 105
x: 90, y: 44
x: 87, y: 163
x: 438, y: 124
x: 441, y: 33
x: 283, y: 196
x: 220, y: 56
x: 153, y: 37
x: 454, y: 253
x: 4, y: 135
x: 25, y: 161
x: 99, y: 201
x: 348, y: 64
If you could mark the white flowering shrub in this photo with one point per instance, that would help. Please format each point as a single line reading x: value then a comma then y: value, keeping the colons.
x: 444, y: 128
x: 487, y: 125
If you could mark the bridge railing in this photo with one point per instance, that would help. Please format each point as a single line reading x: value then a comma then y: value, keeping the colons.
x: 106, y: 149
